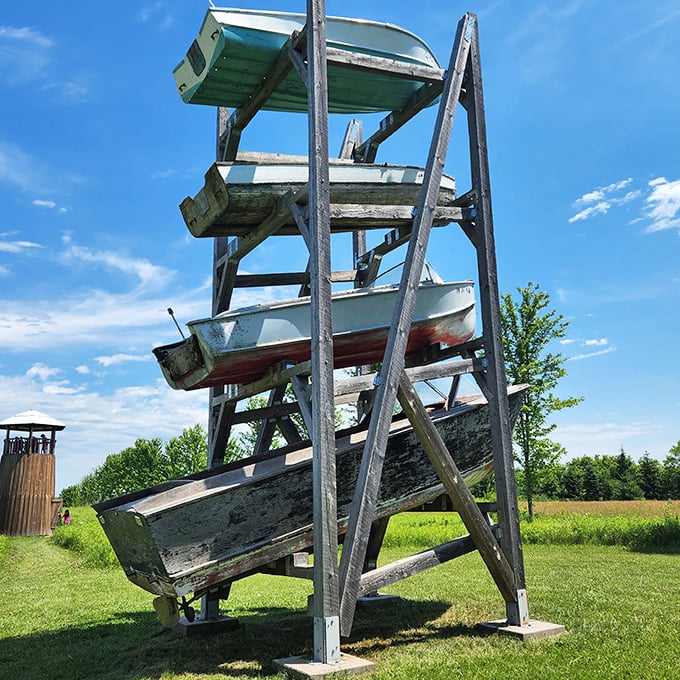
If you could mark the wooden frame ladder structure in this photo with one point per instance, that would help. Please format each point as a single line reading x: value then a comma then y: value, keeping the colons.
x: 337, y: 585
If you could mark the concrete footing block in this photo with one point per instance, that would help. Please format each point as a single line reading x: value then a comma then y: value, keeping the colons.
x: 304, y: 667
x: 531, y: 631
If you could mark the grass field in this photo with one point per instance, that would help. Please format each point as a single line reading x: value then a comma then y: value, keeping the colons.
x: 63, y: 617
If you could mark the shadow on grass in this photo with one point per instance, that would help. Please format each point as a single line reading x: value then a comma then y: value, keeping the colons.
x: 134, y: 645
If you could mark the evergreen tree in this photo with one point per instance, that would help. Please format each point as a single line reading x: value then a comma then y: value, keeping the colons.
x: 649, y: 478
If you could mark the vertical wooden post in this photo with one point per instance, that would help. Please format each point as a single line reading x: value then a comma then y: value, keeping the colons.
x: 496, y: 392
x: 326, y: 588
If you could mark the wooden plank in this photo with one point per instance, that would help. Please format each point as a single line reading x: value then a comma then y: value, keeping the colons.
x: 414, y: 564
x: 301, y: 389
x: 453, y: 481
x: 326, y: 583
x: 265, y: 434
x: 275, y: 411
x: 354, y: 550
x: 373, y: 64
x: 501, y: 432
x: 358, y: 383
x: 221, y: 414
x: 288, y: 278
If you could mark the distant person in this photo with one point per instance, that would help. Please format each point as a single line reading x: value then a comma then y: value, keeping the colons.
x: 67, y: 517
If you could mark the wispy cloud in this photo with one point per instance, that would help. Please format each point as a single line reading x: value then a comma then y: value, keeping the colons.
x: 584, y: 343
x: 663, y: 204
x: 24, y: 54
x: 27, y: 57
x: 601, y: 200
x: 121, y: 358
x: 607, y: 437
x: 113, y: 416
x: 150, y: 11
x: 590, y: 355
x: 16, y: 247
x: 18, y: 168
x: 141, y: 268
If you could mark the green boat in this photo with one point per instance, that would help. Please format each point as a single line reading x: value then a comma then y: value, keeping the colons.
x: 236, y: 48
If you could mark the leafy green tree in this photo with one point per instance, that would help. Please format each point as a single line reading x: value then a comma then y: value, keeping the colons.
x: 529, y: 327
x: 186, y: 453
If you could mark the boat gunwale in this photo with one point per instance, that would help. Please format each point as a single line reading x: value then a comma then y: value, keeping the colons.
x: 341, y: 295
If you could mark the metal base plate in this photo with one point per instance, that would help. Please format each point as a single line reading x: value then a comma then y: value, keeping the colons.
x: 205, y: 627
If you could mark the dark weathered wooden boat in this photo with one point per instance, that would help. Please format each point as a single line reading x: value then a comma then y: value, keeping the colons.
x: 236, y: 48
x: 237, y: 347
x: 242, y: 194
x: 226, y: 523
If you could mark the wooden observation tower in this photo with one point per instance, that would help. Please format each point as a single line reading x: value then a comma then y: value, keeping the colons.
x: 27, y: 475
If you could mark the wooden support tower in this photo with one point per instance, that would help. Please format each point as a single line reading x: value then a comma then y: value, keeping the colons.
x: 337, y: 586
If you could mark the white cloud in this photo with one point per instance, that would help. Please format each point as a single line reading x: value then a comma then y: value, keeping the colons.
x: 100, y: 423
x: 84, y: 370
x: 590, y: 355
x: 599, y: 194
x: 606, y: 438
x: 146, y: 272
x: 42, y: 372
x: 600, y: 201
x: 16, y: 247
x: 24, y: 54
x: 596, y: 342
x: 44, y: 204
x: 663, y: 204
x: 17, y: 168
x: 121, y: 358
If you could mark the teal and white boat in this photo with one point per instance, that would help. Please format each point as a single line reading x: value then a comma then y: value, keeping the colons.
x: 236, y: 48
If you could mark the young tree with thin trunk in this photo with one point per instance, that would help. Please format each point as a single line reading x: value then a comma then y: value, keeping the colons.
x: 529, y: 327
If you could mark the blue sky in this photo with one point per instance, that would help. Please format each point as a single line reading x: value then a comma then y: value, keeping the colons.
x: 97, y: 151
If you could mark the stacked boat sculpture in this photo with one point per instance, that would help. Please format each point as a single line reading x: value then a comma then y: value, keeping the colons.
x: 191, y: 534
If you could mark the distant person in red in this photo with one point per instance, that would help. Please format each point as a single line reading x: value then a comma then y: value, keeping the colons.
x: 67, y: 517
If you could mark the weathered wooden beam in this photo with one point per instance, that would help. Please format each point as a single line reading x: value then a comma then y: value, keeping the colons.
x: 324, y: 502
x: 373, y: 64
x: 288, y: 278
x: 356, y: 384
x: 453, y: 481
x: 302, y: 392
x: 221, y: 413
x: 368, y: 484
x: 265, y: 434
x: 275, y: 411
x: 372, y: 581
x: 501, y: 431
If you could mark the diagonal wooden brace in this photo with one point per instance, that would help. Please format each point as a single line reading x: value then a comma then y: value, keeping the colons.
x: 454, y: 483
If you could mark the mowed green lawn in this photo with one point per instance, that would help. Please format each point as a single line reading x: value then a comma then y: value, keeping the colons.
x: 62, y: 618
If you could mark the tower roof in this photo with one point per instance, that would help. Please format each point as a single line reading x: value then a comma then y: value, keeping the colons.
x: 31, y: 420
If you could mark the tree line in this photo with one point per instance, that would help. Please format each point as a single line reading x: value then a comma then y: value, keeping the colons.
x: 601, y: 478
